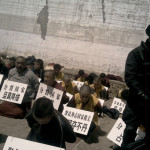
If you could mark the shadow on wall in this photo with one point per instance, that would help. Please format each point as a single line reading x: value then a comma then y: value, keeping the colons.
x: 43, y: 20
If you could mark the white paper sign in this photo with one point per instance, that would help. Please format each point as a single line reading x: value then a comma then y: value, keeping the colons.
x: 106, y: 88
x: 116, y: 133
x: 118, y: 104
x: 1, y: 77
x: 13, y: 91
x: 49, y: 92
x: 13, y: 143
x: 78, y: 83
x: 69, y: 95
x: 79, y: 119
x: 140, y: 134
x: 60, y: 82
x: 101, y: 101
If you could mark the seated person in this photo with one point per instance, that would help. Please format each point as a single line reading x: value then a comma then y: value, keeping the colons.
x: 48, y: 126
x: 90, y: 79
x: 69, y: 85
x: 104, y: 80
x: 11, y: 63
x: 24, y: 75
x: 58, y: 74
x: 86, y: 101
x: 98, y: 89
x: 123, y: 94
x: 30, y: 60
x: 39, y: 69
x: 81, y: 76
x: 49, y: 79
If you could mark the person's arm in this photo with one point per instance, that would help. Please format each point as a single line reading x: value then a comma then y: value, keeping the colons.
x: 72, y: 103
x: 98, y: 107
x: 31, y: 121
x: 131, y: 71
x: 76, y: 90
x: 68, y: 133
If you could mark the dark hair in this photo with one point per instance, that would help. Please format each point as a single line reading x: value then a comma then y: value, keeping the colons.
x: 58, y: 66
x: 102, y: 75
x: 30, y: 60
x: 147, y: 31
x: 81, y: 72
x: 40, y: 61
x: 91, y: 77
x: 125, y: 94
x: 42, y: 107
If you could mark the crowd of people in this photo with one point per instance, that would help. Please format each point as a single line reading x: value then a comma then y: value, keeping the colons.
x: 50, y: 127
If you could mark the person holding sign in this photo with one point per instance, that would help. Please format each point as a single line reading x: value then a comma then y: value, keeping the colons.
x: 20, y: 74
x: 81, y: 76
x: 58, y: 74
x: 104, y: 80
x: 90, y: 79
x: 98, y: 89
x: 49, y: 126
x: 137, y: 78
x: 49, y: 79
x: 69, y: 85
x: 86, y: 101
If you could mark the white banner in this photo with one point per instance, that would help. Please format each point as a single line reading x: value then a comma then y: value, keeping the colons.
x: 49, y: 92
x: 116, y: 133
x: 13, y: 143
x: 1, y: 77
x: 79, y: 119
x: 101, y: 101
x: 13, y: 91
x: 118, y: 104
x: 78, y: 83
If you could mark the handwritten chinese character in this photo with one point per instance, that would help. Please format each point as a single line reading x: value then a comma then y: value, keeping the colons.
x: 84, y: 127
x: 119, y: 126
x: 41, y: 90
x: 11, y: 87
x: 58, y: 96
x: 17, y: 97
x: 16, y: 89
x: 22, y: 90
x: 5, y: 87
x: 79, y: 125
x: 119, y: 138
x: 5, y: 95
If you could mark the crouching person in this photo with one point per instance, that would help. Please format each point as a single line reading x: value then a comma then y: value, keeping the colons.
x: 48, y: 126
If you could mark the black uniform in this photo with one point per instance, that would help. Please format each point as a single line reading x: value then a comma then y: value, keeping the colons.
x: 137, y: 78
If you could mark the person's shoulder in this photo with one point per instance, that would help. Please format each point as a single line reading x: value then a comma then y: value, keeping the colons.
x: 13, y: 71
x: 94, y: 99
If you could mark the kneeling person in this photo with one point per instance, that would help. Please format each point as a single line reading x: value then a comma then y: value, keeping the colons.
x: 48, y: 126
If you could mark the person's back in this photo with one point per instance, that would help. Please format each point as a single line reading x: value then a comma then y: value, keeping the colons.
x: 48, y: 126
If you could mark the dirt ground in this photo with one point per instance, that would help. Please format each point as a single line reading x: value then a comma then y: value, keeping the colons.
x: 19, y: 128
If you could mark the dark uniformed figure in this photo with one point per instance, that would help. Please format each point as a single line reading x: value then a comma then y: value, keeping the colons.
x: 137, y: 78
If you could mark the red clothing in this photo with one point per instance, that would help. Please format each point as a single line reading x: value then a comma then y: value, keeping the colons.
x: 106, y: 82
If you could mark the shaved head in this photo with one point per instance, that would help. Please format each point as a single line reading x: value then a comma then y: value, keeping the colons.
x: 66, y: 78
x: 49, y: 77
x: 85, y: 89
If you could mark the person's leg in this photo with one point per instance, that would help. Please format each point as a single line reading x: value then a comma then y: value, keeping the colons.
x: 129, y: 135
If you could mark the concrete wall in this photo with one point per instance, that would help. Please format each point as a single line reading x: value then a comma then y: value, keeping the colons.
x: 90, y: 34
